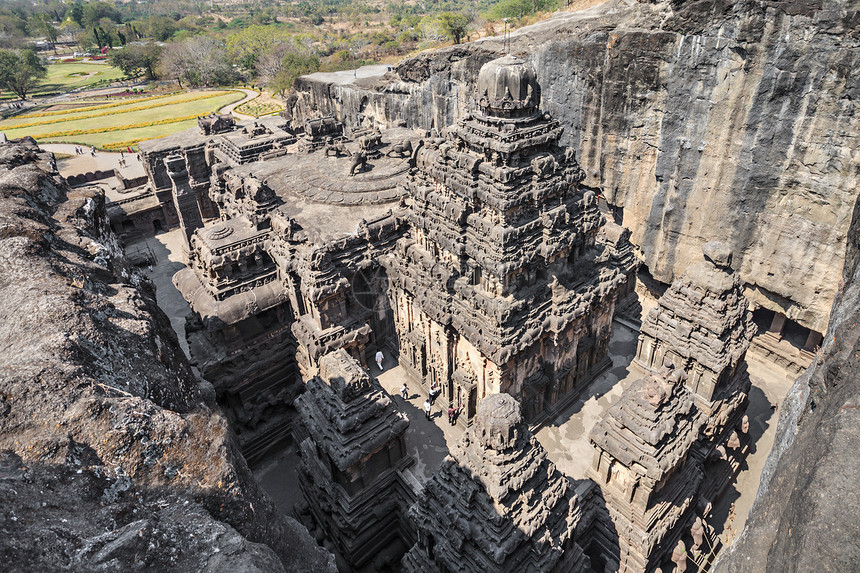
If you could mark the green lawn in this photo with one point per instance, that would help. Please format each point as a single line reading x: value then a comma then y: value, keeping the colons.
x: 64, y: 77
x: 199, y: 107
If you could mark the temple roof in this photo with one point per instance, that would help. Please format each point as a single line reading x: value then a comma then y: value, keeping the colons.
x: 347, y: 412
x: 652, y: 426
x: 497, y: 502
x: 508, y: 86
x: 704, y: 314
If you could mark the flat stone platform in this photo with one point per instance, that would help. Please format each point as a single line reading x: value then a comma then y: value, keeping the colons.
x: 323, y: 198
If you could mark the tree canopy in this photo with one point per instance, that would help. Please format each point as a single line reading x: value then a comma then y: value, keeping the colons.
x: 136, y: 59
x: 20, y: 71
x: 455, y: 25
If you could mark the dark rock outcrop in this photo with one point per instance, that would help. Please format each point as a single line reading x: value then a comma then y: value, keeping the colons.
x: 112, y: 455
x: 702, y: 120
x: 806, y: 516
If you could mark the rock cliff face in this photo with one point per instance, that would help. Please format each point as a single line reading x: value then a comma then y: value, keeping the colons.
x: 110, y: 454
x: 806, y: 516
x: 702, y: 120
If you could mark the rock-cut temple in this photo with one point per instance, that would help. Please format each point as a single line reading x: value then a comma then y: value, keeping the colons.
x: 476, y: 257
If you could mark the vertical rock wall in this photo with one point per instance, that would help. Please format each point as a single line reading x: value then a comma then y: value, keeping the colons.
x: 806, y: 516
x: 708, y: 120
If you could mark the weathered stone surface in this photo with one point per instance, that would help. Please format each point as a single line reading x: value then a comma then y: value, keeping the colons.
x: 675, y: 439
x: 702, y: 120
x: 806, y: 516
x: 352, y: 452
x: 102, y: 418
x: 506, y: 268
x: 497, y: 503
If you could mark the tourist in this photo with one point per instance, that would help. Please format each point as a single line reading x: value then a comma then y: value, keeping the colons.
x: 379, y: 358
x: 127, y: 148
x: 404, y: 392
x: 451, y: 413
x: 93, y: 150
x: 427, y: 407
x: 434, y: 392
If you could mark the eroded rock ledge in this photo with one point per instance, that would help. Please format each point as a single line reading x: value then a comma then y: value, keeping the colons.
x: 111, y: 456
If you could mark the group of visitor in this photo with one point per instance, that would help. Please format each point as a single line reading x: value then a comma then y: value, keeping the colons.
x: 431, y: 398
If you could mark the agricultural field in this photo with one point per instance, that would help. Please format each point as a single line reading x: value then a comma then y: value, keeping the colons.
x: 63, y: 77
x: 113, y: 124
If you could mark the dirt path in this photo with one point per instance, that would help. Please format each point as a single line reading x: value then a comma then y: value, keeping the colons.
x: 102, y: 161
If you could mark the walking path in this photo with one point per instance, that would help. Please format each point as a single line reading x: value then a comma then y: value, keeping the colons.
x: 230, y: 108
x: 87, y: 163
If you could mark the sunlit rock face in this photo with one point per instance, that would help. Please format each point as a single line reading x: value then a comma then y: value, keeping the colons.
x: 733, y: 122
x: 112, y: 455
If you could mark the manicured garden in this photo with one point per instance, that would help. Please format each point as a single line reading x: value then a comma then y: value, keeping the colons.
x: 260, y: 106
x: 119, y: 122
x: 63, y: 77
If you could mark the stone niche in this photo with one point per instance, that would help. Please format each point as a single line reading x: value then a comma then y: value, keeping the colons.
x: 497, y: 503
x: 350, y: 457
x: 508, y: 278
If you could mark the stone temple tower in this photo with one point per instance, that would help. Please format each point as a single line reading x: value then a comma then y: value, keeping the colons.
x: 507, y: 281
x: 184, y: 199
x: 497, y: 504
x: 351, y: 455
x: 675, y: 439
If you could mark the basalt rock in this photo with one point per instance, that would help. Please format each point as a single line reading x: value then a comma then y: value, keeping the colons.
x: 698, y: 121
x: 806, y: 516
x: 114, y: 457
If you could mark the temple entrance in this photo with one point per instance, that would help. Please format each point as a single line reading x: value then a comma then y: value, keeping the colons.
x: 370, y: 291
x: 157, y: 226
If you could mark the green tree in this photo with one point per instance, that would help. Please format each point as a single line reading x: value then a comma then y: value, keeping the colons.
x: 455, y: 25
x: 292, y: 66
x: 136, y: 60
x: 160, y: 28
x: 247, y: 46
x: 20, y: 71
x: 75, y: 13
x: 95, y: 11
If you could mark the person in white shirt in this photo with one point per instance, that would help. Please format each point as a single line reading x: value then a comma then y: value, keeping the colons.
x: 379, y: 358
x: 427, y: 407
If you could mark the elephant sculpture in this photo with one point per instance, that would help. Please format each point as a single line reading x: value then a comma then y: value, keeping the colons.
x: 400, y: 149
x: 359, y: 162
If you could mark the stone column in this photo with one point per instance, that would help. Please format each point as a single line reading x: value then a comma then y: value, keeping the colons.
x: 777, y: 325
x: 185, y: 201
x: 813, y: 341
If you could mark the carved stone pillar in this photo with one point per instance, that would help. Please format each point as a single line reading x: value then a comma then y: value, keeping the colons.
x: 813, y: 341
x: 185, y: 201
x: 777, y: 325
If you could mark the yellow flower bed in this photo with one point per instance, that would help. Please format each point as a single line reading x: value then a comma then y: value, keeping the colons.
x: 130, y: 143
x: 115, y: 128
x: 91, y: 107
x: 128, y: 110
